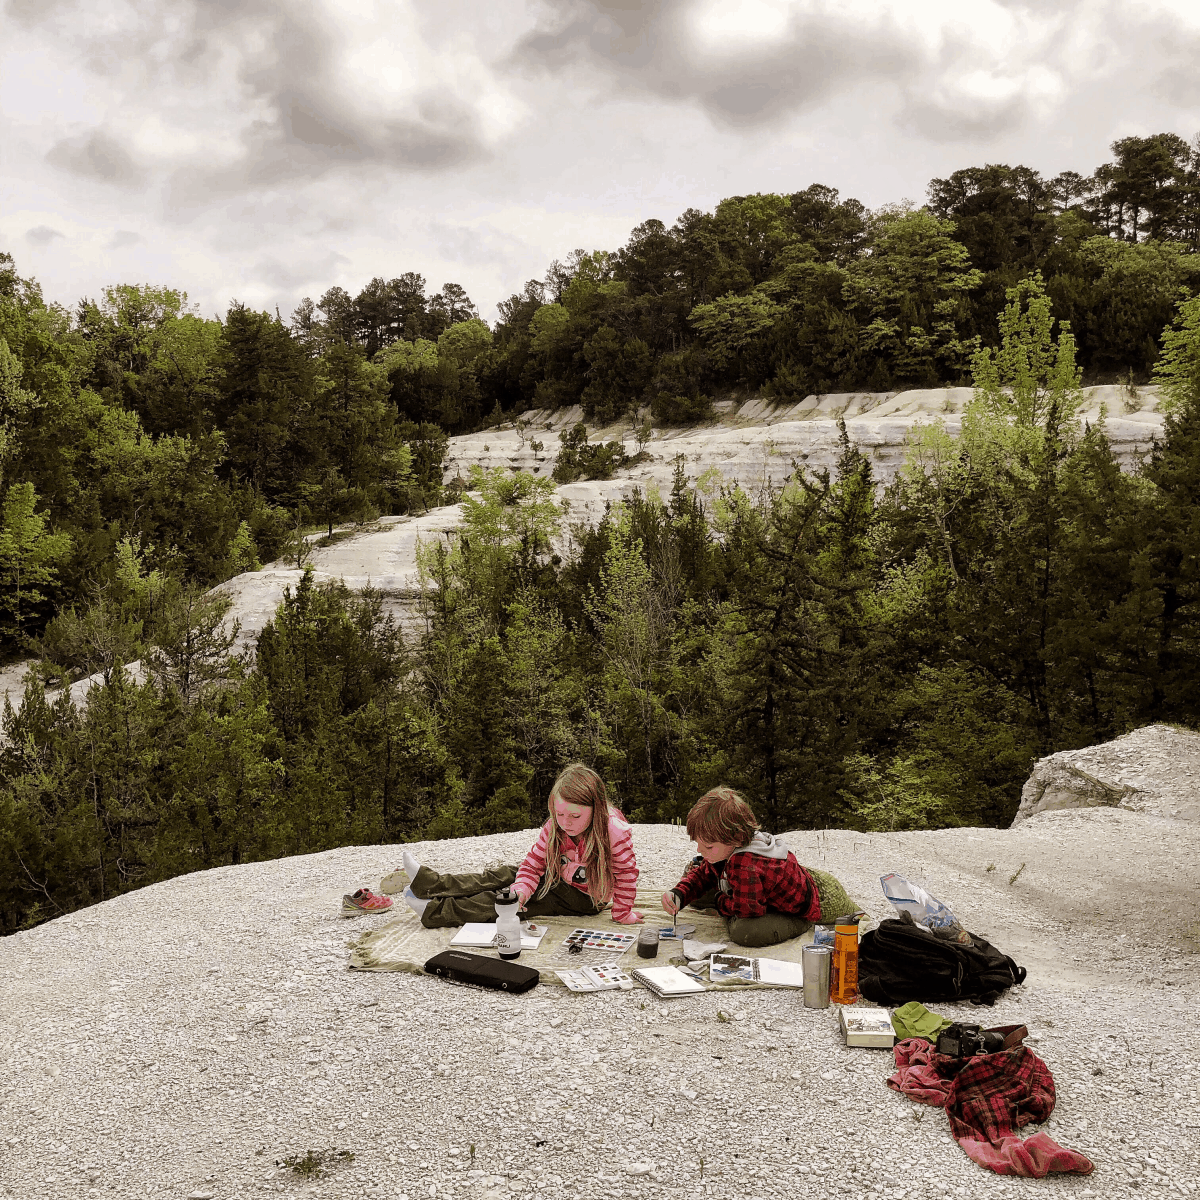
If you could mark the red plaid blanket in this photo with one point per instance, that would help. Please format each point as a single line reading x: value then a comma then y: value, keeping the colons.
x: 987, y: 1101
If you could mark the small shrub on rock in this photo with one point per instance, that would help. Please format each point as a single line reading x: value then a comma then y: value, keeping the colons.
x: 681, y: 410
x: 577, y: 460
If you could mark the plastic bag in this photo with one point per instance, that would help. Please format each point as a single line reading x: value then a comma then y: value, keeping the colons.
x: 926, y: 910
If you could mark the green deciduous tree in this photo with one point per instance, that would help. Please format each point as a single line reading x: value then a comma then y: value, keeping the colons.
x: 30, y: 556
x: 729, y: 325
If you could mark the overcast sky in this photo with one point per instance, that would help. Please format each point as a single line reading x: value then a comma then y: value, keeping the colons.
x: 262, y: 151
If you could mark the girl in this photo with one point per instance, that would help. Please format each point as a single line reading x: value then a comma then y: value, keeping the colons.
x: 583, y: 859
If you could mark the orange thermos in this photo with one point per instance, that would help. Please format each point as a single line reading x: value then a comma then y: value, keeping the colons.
x: 843, y: 978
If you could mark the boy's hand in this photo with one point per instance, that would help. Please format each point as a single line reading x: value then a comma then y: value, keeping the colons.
x: 670, y: 903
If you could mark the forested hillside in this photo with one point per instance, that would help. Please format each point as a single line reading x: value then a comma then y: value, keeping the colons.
x: 845, y: 656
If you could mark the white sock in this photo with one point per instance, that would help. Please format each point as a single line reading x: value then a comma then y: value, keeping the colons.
x: 418, y: 906
x: 410, y: 865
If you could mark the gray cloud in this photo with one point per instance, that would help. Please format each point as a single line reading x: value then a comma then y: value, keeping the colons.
x: 302, y: 124
x: 243, y: 139
x: 1174, y: 52
x: 285, y: 66
x: 962, y: 122
x: 96, y: 155
x: 41, y: 235
x: 655, y: 47
x: 28, y: 13
x: 464, y: 244
x: 296, y: 277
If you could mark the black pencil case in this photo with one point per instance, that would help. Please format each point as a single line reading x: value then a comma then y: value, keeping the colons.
x: 478, y: 971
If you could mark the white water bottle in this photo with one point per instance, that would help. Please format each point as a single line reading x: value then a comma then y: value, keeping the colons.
x: 508, y: 924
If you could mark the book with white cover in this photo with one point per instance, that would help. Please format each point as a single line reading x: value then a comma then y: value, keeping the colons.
x: 867, y: 1027
x: 667, y: 981
x: 736, y: 968
x: 483, y: 933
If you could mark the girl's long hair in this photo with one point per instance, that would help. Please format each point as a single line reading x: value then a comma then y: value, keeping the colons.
x: 577, y: 784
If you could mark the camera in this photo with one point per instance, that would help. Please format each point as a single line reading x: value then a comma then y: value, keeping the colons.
x: 966, y: 1041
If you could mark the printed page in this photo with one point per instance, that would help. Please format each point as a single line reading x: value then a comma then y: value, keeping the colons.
x: 483, y: 933
x: 532, y: 934
x: 731, y: 968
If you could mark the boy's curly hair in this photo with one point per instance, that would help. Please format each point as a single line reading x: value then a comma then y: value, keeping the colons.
x: 721, y: 815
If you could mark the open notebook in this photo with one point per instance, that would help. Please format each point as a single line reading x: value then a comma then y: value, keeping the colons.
x: 734, y: 968
x: 667, y: 981
x: 483, y: 933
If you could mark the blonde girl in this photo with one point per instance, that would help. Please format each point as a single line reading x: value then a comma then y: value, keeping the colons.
x: 582, y: 860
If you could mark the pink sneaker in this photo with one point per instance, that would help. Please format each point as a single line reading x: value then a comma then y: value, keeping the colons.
x: 364, y: 902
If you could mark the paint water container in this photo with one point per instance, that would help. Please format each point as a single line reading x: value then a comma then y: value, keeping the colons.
x: 647, y: 943
x: 816, y: 961
x: 508, y: 924
x: 843, y: 987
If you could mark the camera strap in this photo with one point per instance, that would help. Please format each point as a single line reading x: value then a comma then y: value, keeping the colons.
x: 1014, y: 1035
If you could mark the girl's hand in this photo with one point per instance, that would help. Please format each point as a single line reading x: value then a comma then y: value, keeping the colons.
x: 524, y: 899
x: 632, y: 918
x: 670, y: 903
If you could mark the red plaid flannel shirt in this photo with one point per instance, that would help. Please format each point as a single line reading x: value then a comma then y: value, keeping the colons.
x: 756, y: 886
x: 987, y: 1100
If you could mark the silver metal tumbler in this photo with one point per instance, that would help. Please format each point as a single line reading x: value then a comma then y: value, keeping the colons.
x: 816, y: 961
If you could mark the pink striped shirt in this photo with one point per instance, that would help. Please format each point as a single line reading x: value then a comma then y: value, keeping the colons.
x: 573, y: 870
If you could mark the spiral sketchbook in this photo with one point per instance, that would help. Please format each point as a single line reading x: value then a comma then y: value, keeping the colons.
x: 667, y: 981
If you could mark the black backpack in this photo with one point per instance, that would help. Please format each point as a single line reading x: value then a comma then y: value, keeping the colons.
x: 899, y: 962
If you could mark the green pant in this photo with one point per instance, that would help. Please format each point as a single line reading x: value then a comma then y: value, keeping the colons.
x: 774, y: 927
x: 457, y: 899
x: 768, y: 930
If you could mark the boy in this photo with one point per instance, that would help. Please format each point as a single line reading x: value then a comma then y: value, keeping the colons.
x: 752, y: 877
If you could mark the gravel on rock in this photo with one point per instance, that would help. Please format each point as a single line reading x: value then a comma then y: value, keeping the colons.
x: 204, y: 1038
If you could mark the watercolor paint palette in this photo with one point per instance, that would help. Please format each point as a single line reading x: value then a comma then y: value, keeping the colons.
x: 600, y: 939
x: 603, y: 977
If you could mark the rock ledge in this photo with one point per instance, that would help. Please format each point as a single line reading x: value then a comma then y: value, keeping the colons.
x: 1155, y: 769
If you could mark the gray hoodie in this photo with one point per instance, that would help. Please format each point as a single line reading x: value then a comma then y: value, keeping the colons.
x: 765, y: 845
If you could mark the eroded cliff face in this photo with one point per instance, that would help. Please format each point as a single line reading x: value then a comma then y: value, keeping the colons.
x: 753, y: 444
x: 756, y: 444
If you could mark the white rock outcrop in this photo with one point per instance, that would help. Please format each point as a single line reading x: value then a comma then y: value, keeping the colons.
x: 757, y: 443
x: 196, y: 1036
x: 1153, y: 770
